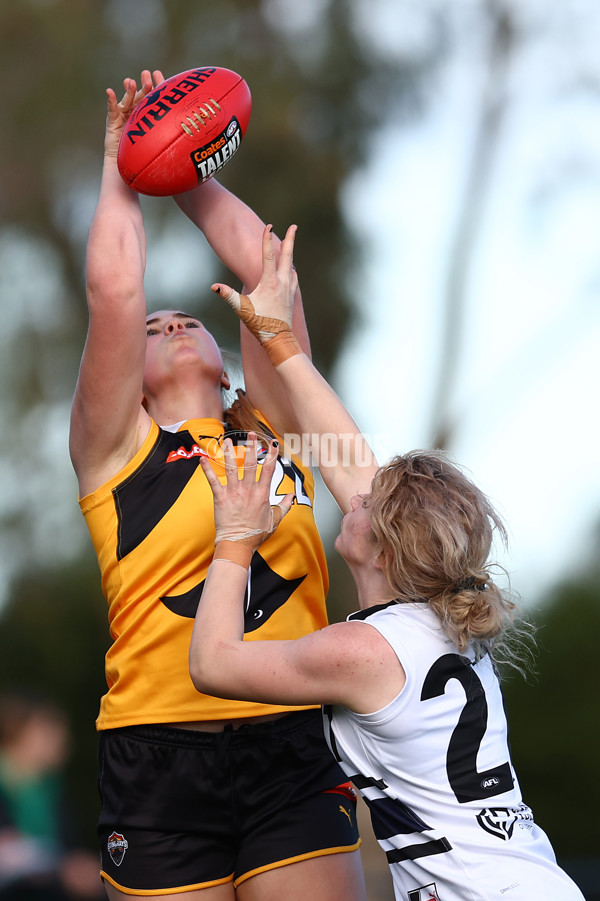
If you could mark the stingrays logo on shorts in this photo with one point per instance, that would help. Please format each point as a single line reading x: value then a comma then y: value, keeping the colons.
x: 425, y: 893
x: 501, y: 821
x: 117, y: 845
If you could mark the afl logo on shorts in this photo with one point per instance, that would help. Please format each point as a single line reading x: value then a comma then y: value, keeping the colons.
x: 117, y: 845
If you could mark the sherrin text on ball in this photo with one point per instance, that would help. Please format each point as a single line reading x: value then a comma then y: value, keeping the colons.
x: 184, y: 131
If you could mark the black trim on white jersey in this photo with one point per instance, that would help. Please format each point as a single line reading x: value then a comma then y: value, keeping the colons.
x: 413, y: 852
x: 391, y: 816
x: 368, y: 611
x: 328, y: 712
x: 361, y: 781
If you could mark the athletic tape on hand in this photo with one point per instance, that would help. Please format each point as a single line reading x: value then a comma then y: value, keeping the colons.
x: 262, y: 327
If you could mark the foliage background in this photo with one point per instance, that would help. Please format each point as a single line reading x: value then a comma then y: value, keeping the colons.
x: 320, y: 93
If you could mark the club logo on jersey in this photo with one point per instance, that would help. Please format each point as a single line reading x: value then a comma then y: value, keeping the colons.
x: 425, y: 893
x: 266, y: 592
x: 501, y: 821
x: 117, y: 845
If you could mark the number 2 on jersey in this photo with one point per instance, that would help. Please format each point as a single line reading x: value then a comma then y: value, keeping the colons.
x: 467, y: 783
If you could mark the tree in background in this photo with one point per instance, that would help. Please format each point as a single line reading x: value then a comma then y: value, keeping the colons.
x: 555, y: 732
x: 323, y: 89
x: 320, y: 92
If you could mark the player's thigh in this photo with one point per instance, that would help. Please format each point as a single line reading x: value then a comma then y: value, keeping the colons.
x: 216, y: 893
x: 326, y: 878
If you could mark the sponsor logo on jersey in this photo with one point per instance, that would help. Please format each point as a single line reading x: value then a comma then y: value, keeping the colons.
x: 183, y: 454
x: 287, y: 477
x: 424, y: 893
x: 501, y: 821
x: 117, y: 845
x: 214, y: 449
x: 212, y: 157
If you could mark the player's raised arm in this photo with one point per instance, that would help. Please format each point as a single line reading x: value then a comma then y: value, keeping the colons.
x: 267, y: 313
x: 234, y: 231
x: 106, y: 407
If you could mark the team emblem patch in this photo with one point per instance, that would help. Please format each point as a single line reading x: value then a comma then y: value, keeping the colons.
x: 425, y: 893
x: 117, y: 845
x: 501, y: 821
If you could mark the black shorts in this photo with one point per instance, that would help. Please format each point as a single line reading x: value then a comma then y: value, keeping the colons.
x: 185, y: 810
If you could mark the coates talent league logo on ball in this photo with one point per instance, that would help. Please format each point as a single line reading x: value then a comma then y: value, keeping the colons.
x: 117, y: 845
x: 212, y: 157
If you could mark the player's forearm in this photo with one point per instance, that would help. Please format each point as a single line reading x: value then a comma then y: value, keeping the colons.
x: 218, y: 627
x: 349, y: 466
x: 232, y: 229
x: 116, y: 249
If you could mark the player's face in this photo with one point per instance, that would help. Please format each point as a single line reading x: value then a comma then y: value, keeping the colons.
x: 176, y: 338
x: 356, y: 541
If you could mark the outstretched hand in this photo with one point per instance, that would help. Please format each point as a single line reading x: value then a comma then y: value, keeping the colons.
x: 242, y: 509
x: 119, y: 111
x: 267, y: 311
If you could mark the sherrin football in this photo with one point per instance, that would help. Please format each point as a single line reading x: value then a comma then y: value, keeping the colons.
x: 184, y: 131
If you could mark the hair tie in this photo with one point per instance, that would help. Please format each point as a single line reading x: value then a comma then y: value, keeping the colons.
x: 473, y: 582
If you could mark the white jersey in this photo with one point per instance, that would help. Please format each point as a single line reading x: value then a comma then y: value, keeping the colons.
x: 434, y: 768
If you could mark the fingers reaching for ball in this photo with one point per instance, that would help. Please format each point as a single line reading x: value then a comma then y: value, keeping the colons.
x: 119, y: 111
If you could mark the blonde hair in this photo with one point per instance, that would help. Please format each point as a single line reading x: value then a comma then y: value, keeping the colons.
x: 434, y: 529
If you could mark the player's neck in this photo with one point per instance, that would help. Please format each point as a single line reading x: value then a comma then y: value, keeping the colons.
x: 372, y: 586
x: 180, y: 404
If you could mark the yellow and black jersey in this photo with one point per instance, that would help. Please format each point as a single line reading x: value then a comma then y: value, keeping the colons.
x: 152, y: 527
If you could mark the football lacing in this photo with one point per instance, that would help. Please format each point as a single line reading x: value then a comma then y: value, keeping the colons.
x: 196, y: 119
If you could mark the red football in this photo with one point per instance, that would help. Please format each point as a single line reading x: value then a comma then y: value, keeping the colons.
x: 184, y: 131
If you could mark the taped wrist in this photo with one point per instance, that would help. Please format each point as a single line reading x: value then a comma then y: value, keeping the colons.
x: 275, y: 335
x: 251, y: 538
x: 234, y: 552
x: 282, y: 347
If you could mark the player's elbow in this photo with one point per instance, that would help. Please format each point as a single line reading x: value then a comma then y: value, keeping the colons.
x: 208, y: 675
x: 200, y: 674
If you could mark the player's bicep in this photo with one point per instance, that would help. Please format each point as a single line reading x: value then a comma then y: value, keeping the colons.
x: 310, y: 670
x: 108, y: 394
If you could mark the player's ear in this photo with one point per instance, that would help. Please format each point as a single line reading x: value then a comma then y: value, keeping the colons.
x: 383, y: 559
x: 225, y: 383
